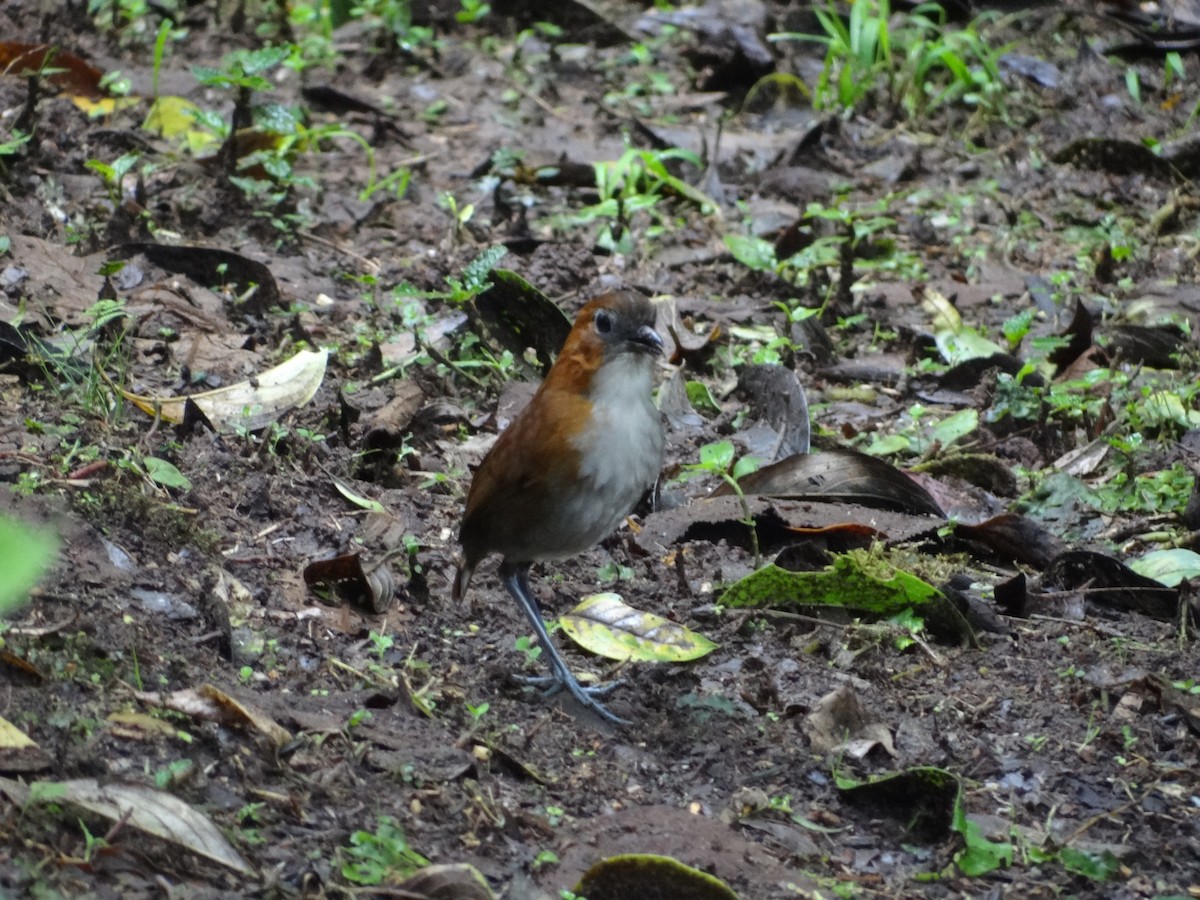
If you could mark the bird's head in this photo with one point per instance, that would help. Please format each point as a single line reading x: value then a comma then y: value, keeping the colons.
x: 612, y: 327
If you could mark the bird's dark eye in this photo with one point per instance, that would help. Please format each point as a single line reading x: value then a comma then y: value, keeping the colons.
x: 603, y: 321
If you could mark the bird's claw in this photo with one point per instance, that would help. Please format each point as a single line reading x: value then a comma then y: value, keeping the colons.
x: 585, y: 696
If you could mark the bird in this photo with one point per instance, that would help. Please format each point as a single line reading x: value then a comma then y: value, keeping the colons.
x: 571, y: 466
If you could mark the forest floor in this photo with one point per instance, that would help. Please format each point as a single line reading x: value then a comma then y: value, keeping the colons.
x: 982, y: 305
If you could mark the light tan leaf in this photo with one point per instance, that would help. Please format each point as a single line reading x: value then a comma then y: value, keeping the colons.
x: 248, y: 404
x: 212, y: 704
x: 146, y: 809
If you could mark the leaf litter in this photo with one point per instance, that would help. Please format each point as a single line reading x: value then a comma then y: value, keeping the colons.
x: 337, y: 742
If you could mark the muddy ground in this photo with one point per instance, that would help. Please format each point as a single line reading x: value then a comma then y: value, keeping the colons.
x: 176, y: 645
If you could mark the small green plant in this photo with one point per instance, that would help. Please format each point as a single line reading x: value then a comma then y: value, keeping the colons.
x: 251, y: 819
x: 839, y: 241
x: 381, y: 856
x: 1128, y: 738
x: 718, y: 459
x: 381, y: 644
x: 632, y: 190
x: 1036, y: 742
x: 472, y: 11
x: 613, y: 571
x: 524, y: 643
x: 459, y: 215
x: 114, y: 173
x: 244, y: 72
x: 92, y: 844
x: 478, y: 712
x: 915, y: 67
x: 474, y: 281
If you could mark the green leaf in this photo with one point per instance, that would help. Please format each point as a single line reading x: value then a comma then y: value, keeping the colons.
x: 164, y: 473
x: 25, y: 552
x: 475, y: 275
x: 955, y: 426
x: 745, y: 466
x: 359, y: 500
x: 752, y: 252
x: 980, y: 856
x: 851, y: 582
x: 701, y: 398
x: 887, y: 444
x: 856, y: 581
x: 1168, y: 566
x: 716, y: 457
x: 1098, y: 867
x: 607, y: 626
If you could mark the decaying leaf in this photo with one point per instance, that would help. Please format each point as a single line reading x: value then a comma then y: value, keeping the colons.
x: 250, y: 404
x: 865, y: 587
x: 841, y: 722
x: 347, y: 575
x: 835, y: 475
x: 457, y: 881
x: 520, y: 316
x: 212, y: 704
x: 647, y: 875
x: 607, y: 626
x: 62, y: 69
x: 18, y: 752
x: 146, y: 809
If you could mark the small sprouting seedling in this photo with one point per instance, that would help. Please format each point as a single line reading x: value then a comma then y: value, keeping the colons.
x: 358, y: 717
x: 1128, y: 738
x: 635, y: 185
x: 1036, y: 742
x: 718, y: 459
x: 460, y: 215
x: 525, y: 644
x: 92, y: 844
x: 478, y: 711
x: 245, y: 674
x: 382, y: 643
x: 613, y: 571
x: 545, y: 858
x: 250, y: 830
x: 114, y: 173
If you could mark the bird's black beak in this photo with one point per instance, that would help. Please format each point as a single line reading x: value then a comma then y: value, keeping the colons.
x: 648, y: 341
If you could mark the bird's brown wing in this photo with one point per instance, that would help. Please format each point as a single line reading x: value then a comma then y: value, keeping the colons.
x: 520, y: 479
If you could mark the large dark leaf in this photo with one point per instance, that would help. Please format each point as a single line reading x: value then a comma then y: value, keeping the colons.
x: 839, y: 475
x: 1110, y: 583
x: 518, y: 316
